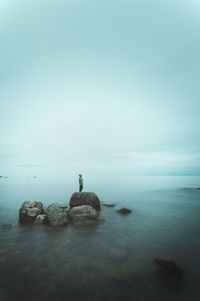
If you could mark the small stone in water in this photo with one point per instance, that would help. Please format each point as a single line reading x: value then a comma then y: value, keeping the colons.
x: 7, y: 226
x: 124, y: 210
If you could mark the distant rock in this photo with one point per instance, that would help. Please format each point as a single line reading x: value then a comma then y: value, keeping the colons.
x: 108, y: 204
x: 82, y: 213
x: 57, y: 216
x: 191, y: 188
x: 85, y: 198
x: 41, y: 219
x: 29, y: 211
x: 168, y: 268
x: 6, y: 226
x: 124, y: 211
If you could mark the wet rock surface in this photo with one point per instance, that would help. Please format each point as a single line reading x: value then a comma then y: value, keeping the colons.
x: 29, y: 211
x: 83, y: 213
x: 124, y: 211
x: 85, y: 198
x: 57, y: 216
x: 41, y: 219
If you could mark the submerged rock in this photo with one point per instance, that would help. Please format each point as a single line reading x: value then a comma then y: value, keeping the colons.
x: 29, y: 211
x: 41, y: 219
x: 118, y: 252
x: 57, y: 216
x: 6, y: 226
x: 85, y: 198
x: 168, y: 268
x: 124, y: 211
x: 83, y: 213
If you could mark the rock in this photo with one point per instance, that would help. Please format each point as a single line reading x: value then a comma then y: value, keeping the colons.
x: 168, y: 268
x: 7, y: 226
x: 57, y: 216
x: 29, y: 211
x: 41, y: 219
x: 108, y: 205
x: 80, y: 213
x: 85, y: 198
x: 88, y: 222
x: 124, y: 211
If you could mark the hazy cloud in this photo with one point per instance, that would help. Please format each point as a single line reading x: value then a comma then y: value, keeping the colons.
x: 99, y: 87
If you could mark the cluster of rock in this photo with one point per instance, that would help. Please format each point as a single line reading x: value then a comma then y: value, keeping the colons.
x: 83, y: 208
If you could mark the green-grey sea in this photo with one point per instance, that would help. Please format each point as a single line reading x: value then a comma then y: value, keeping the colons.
x: 111, y: 261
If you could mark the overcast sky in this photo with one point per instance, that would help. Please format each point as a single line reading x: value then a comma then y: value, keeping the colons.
x: 99, y: 87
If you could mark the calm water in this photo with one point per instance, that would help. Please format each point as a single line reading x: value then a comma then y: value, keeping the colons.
x: 112, y: 261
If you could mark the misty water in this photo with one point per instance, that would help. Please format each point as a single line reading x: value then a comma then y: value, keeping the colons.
x: 111, y: 261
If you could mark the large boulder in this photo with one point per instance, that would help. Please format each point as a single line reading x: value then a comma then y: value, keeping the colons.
x: 82, y: 213
x: 85, y: 198
x: 29, y: 211
x: 57, y: 216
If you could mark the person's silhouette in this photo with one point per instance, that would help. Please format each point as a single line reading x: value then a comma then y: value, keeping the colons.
x: 80, y: 183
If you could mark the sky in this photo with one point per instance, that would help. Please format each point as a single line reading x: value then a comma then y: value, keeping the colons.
x: 99, y: 87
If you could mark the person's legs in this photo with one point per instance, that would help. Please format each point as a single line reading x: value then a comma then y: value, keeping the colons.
x: 80, y: 188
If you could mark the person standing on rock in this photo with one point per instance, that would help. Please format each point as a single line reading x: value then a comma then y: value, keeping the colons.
x: 80, y: 183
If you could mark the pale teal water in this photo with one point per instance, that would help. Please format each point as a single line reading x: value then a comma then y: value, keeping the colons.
x: 112, y: 261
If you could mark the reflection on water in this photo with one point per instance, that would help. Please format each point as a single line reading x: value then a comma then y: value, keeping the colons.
x: 111, y: 261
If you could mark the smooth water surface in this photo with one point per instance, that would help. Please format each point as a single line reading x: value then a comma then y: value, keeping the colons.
x: 111, y: 261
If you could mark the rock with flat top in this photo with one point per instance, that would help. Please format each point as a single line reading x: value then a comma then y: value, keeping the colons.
x: 85, y: 198
x: 29, y: 211
x: 82, y: 213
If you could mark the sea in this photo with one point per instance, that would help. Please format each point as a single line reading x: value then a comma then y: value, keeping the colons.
x: 113, y: 260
